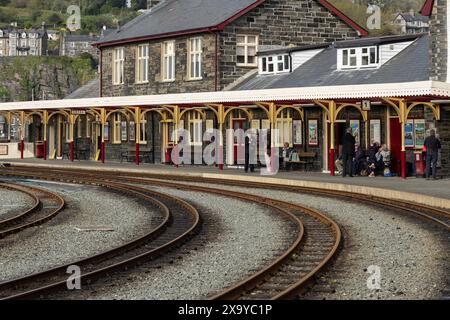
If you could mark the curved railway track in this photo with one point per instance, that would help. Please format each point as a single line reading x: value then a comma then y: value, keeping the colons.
x: 46, y: 205
x: 275, y: 281
x: 178, y: 223
x: 316, y: 244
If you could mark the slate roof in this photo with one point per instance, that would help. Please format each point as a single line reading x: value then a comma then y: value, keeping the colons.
x: 411, y: 18
x: 89, y: 90
x: 409, y: 65
x: 177, y: 15
x: 80, y: 38
x: 187, y: 16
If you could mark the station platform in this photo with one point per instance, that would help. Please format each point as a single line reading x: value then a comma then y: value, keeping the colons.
x: 432, y: 193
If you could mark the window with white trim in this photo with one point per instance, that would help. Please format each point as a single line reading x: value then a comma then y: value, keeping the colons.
x: 117, y: 128
x: 195, y: 58
x: 246, y: 50
x: 168, y: 61
x: 196, y: 128
x: 142, y: 61
x: 124, y: 131
x: 274, y: 64
x: 284, y: 126
x: 356, y: 58
x: 143, y: 132
x: 118, y: 65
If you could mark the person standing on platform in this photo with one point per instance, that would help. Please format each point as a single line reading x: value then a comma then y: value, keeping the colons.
x: 250, y: 153
x: 432, y: 145
x: 348, y: 152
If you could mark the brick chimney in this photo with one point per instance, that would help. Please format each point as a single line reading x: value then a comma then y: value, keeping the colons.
x: 439, y: 40
x: 152, y: 3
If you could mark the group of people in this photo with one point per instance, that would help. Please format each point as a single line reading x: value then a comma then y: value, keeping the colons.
x: 353, y: 160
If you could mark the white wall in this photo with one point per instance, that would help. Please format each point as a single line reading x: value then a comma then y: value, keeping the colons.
x: 301, y: 57
x: 388, y: 51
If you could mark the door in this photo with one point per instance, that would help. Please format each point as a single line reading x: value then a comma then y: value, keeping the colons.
x: 396, y: 144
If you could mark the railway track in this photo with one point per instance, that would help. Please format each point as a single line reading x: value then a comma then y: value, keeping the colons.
x: 275, y: 281
x: 179, y: 222
x: 46, y: 205
x: 316, y: 244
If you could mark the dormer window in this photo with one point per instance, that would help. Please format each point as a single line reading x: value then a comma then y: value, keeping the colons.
x: 274, y: 64
x: 357, y: 58
x: 24, y: 35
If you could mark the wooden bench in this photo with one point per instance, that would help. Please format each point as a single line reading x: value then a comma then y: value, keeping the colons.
x: 303, y: 158
x: 130, y: 155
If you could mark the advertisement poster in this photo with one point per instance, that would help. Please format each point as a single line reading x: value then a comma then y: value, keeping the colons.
x: 375, y: 131
x: 419, y: 130
x: 298, y: 137
x: 409, y: 134
x: 354, y: 124
x: 313, y: 134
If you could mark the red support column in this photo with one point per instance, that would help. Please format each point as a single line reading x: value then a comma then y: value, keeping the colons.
x: 72, y: 151
x: 22, y: 146
x: 102, y: 151
x: 332, y: 169
x: 403, y: 164
x: 137, y: 154
x: 45, y: 149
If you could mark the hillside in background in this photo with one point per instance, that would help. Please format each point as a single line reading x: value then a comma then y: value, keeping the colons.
x: 357, y: 10
x: 113, y: 13
x: 94, y: 13
x: 24, y: 78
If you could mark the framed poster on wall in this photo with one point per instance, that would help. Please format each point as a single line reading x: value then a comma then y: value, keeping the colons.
x: 3, y: 150
x: 298, y: 132
x: 419, y: 132
x: 313, y: 133
x: 375, y: 131
x: 356, y: 132
x: 409, y: 134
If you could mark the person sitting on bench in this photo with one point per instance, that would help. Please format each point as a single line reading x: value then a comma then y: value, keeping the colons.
x: 285, y: 155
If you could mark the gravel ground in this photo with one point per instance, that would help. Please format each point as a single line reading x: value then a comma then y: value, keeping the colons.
x: 58, y: 242
x: 248, y: 232
x: 412, y: 257
x: 12, y: 202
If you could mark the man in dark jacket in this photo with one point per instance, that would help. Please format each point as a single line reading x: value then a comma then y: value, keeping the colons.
x: 348, y: 152
x: 432, y: 145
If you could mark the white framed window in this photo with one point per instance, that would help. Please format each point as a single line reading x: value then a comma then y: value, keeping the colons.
x: 117, y: 122
x: 195, y: 58
x: 142, y: 62
x: 246, y: 50
x: 88, y: 126
x: 132, y: 131
x: 284, y: 126
x: 118, y: 65
x: 168, y: 61
x: 355, y: 58
x: 196, y: 128
x: 275, y: 64
x: 143, y: 132
x: 124, y: 131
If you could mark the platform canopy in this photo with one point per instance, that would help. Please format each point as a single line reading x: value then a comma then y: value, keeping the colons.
x: 426, y: 89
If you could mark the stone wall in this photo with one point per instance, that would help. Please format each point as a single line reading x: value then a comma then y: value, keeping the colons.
x: 280, y: 22
x: 155, y: 84
x: 438, y: 43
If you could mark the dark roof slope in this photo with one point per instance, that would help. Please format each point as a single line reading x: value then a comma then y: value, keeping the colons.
x: 177, y: 15
x: 411, y: 18
x: 188, y: 16
x: 409, y: 65
x: 89, y: 90
x: 80, y: 38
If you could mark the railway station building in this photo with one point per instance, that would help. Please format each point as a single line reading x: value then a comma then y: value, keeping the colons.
x: 304, y: 69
